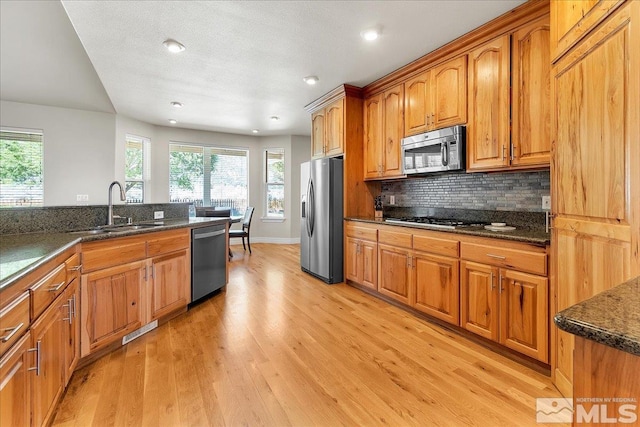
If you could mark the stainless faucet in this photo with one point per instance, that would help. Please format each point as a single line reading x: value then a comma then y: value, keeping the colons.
x: 123, y: 197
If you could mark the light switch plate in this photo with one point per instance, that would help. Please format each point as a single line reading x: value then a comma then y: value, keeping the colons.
x: 546, y: 202
x: 392, y: 200
x: 158, y: 214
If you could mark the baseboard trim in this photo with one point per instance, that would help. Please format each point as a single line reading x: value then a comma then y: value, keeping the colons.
x: 275, y: 240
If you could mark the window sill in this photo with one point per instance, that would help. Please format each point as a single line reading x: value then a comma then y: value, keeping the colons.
x: 272, y: 219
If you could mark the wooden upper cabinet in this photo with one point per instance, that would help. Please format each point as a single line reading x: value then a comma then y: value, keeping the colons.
x: 488, y: 130
x: 383, y: 124
x: 416, y: 104
x: 436, y: 98
x: 317, y: 134
x: 373, y: 137
x: 334, y: 128
x: 531, y: 99
x: 571, y: 20
x: 449, y: 93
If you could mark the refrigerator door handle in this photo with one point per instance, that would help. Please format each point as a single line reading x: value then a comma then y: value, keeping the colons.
x: 312, y: 208
x: 308, y: 209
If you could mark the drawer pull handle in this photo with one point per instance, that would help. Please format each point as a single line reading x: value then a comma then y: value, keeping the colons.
x: 57, y: 287
x: 37, y: 350
x: 497, y: 256
x: 13, y: 330
x: 76, y: 268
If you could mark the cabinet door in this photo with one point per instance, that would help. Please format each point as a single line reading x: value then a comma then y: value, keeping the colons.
x: 416, y: 104
x: 479, y: 299
x: 71, y: 326
x: 111, y: 305
x: 353, y: 264
x: 531, y: 98
x: 595, y: 174
x: 15, y: 394
x: 437, y: 286
x: 47, y: 383
x: 394, y: 275
x: 169, y: 284
x: 373, y: 137
x: 572, y: 19
x: 393, y: 101
x: 524, y: 313
x: 369, y: 255
x: 488, y: 130
x: 317, y: 134
x: 334, y: 128
x: 449, y: 94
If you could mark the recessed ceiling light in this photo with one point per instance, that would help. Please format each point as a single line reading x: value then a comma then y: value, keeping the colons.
x: 275, y: 118
x: 371, y: 34
x: 173, y: 121
x: 177, y: 104
x: 173, y: 46
x: 255, y: 131
x: 311, y: 80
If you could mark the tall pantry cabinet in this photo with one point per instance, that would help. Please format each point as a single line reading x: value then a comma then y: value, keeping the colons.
x: 595, y: 157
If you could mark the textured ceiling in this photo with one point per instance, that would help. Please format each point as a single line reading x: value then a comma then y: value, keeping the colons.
x: 245, y: 60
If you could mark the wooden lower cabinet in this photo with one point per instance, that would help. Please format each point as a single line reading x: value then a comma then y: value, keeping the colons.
x: 507, y: 306
x: 168, y: 290
x: 362, y: 262
x: 111, y: 304
x: 394, y: 279
x: 437, y: 290
x: 15, y: 393
x: 47, y: 384
x: 71, y: 328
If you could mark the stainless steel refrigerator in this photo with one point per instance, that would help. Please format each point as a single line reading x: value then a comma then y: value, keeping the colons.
x: 321, y: 219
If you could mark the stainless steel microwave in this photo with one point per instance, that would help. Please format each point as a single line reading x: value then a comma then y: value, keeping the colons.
x: 435, y: 151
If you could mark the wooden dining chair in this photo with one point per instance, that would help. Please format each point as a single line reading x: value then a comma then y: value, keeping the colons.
x: 246, y: 226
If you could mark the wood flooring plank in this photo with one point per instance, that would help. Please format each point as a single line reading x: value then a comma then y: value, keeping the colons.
x: 281, y: 348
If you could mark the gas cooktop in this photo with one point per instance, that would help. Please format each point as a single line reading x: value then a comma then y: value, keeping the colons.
x: 431, y: 222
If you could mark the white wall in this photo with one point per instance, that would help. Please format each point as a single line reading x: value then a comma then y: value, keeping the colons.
x: 85, y: 151
x: 78, y: 149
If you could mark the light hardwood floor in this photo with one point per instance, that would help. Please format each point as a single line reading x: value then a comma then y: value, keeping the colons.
x: 281, y: 348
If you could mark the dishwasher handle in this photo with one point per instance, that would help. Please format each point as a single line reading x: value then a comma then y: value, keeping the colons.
x: 205, y: 235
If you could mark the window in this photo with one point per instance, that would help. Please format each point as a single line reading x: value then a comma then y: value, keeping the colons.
x: 209, y: 176
x: 21, y: 165
x: 274, y: 182
x: 136, y: 168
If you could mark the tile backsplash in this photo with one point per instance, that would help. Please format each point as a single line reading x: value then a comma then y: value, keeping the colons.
x: 515, y: 191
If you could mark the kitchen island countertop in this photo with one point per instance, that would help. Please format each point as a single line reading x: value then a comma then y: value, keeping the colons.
x: 535, y: 237
x: 611, y: 318
x: 22, y: 253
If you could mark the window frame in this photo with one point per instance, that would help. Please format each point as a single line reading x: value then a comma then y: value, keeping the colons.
x: 29, y: 131
x: 146, y: 163
x: 265, y: 199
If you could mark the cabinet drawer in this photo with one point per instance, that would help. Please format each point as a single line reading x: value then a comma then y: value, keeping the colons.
x: 111, y: 253
x: 73, y: 266
x: 395, y: 238
x: 47, y: 289
x: 362, y: 232
x: 436, y: 246
x: 167, y: 242
x: 521, y: 260
x: 14, y: 321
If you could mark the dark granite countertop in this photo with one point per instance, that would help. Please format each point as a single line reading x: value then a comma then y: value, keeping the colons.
x: 533, y: 236
x: 22, y: 253
x: 611, y: 317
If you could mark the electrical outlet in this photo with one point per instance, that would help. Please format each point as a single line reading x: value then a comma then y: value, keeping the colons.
x: 82, y: 197
x: 158, y: 214
x: 392, y: 200
x: 546, y: 202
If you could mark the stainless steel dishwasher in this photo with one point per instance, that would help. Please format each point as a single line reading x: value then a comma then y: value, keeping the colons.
x: 208, y: 260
